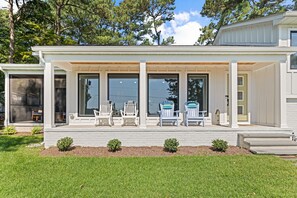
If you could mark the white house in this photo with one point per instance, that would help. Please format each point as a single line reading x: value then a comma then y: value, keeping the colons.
x: 246, y: 82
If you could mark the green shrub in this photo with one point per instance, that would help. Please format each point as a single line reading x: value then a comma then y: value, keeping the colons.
x: 171, y: 145
x: 64, y: 144
x: 9, y: 130
x: 220, y: 145
x: 114, y: 145
x: 36, y: 130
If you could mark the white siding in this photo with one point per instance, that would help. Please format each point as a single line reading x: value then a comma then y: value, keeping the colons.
x: 256, y: 34
x: 263, y: 109
x: 292, y: 113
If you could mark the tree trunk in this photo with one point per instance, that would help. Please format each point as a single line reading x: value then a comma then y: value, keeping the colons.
x: 11, y: 28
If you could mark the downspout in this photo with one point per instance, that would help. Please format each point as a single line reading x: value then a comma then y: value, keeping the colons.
x: 41, y: 59
x: 6, y: 97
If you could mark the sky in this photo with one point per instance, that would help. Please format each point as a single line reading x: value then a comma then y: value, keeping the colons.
x: 185, y: 27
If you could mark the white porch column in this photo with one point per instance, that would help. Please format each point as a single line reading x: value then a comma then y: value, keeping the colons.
x: 7, y: 90
x: 280, y: 94
x: 49, y: 96
x: 142, y: 94
x: 103, y: 86
x: 233, y: 118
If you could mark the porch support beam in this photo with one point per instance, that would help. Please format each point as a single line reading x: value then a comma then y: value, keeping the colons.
x: 7, y: 105
x: 142, y: 94
x: 233, y: 117
x: 280, y: 94
x: 49, y: 98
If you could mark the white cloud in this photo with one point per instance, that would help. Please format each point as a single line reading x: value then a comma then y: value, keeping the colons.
x: 182, y: 17
x: 3, y: 4
x: 184, y: 28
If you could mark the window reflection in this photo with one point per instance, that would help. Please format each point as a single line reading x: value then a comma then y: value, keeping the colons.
x: 198, y: 90
x: 121, y: 88
x: 161, y: 88
x: 60, y: 98
x: 88, y: 93
x: 294, y: 44
x: 26, y: 98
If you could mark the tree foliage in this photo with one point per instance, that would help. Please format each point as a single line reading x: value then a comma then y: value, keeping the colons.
x: 231, y: 11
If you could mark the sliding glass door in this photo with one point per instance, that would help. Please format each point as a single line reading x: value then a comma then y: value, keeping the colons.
x: 88, y: 94
x: 122, y: 88
x: 198, y: 90
x: 162, y: 87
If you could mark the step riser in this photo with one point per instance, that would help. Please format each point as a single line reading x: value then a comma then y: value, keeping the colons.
x: 266, y: 139
x: 274, y: 147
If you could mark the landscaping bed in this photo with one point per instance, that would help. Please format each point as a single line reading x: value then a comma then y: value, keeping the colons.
x: 153, y: 151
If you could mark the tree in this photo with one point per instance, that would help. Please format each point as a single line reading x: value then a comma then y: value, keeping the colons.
x: 159, y: 12
x: 11, y: 31
x: 231, y: 11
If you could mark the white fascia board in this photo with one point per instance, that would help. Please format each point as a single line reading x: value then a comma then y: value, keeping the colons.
x: 161, y: 50
x: 21, y: 66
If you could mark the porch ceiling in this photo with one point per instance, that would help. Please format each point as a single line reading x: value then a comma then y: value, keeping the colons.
x: 154, y: 66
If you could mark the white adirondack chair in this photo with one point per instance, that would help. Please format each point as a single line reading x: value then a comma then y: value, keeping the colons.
x: 104, y: 114
x: 192, y: 113
x: 129, y: 115
x: 167, y: 113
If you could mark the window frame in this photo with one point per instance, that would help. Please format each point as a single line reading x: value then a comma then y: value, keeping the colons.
x: 10, y: 76
x: 202, y: 74
x: 290, y: 31
x: 138, y: 90
x: 148, y: 88
x: 78, y: 95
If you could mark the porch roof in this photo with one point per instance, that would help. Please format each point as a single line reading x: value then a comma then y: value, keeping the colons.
x: 160, y: 50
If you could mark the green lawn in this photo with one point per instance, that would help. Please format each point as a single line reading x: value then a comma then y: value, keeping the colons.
x: 23, y: 173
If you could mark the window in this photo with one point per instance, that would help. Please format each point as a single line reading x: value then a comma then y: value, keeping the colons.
x: 240, y: 110
x: 162, y: 87
x: 60, y: 98
x: 240, y: 96
x: 293, y: 60
x: 122, y: 88
x: 88, y: 94
x: 26, y: 98
x: 198, y: 90
x: 240, y: 81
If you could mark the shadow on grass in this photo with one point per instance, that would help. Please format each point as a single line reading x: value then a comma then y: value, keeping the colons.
x: 14, y: 143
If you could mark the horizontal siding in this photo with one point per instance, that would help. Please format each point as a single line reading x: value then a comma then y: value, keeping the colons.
x: 292, y: 114
x: 188, y: 136
x: 96, y: 139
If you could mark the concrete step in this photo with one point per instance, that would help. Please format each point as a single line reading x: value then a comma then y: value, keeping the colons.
x: 274, y: 151
x: 265, y: 142
x: 267, y: 139
x: 265, y: 135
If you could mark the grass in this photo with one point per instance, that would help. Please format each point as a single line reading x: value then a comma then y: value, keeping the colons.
x: 24, y: 173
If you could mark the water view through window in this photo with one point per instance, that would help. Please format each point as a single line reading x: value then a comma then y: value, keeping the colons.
x: 122, y: 88
x: 162, y: 87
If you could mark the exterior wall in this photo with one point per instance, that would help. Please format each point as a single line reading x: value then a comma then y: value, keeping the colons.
x: 263, y: 99
x: 264, y: 34
x: 217, y: 92
x: 284, y: 34
x: 292, y: 114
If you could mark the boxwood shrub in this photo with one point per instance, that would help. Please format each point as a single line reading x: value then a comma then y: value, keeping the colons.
x: 9, y: 130
x: 64, y: 144
x: 114, y: 145
x: 171, y: 145
x: 219, y: 145
x: 36, y: 130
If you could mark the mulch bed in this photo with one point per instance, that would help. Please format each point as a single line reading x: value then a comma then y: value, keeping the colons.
x: 154, y: 151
